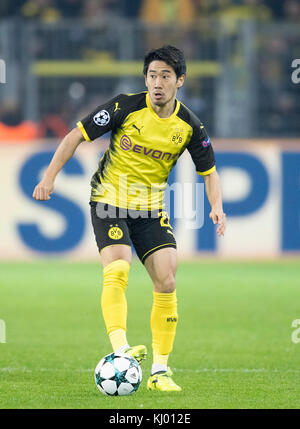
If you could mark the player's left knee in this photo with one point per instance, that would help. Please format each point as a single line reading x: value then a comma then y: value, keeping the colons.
x: 165, y: 285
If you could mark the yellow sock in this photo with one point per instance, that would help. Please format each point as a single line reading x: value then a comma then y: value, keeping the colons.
x: 113, y: 301
x: 164, y: 319
x: 160, y: 363
x: 160, y: 359
x: 118, y: 339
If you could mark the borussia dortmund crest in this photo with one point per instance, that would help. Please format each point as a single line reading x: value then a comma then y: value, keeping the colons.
x: 177, y: 136
x: 115, y: 232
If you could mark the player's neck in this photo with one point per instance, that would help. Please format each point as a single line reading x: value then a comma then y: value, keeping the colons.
x: 166, y: 110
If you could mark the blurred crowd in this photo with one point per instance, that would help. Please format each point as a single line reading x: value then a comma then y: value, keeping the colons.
x: 162, y: 11
x: 14, y: 127
x: 61, y: 100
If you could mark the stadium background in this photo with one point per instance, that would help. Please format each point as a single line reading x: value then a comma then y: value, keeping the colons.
x: 60, y: 59
x: 63, y: 58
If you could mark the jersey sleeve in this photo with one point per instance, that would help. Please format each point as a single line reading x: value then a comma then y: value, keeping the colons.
x: 201, y: 151
x: 104, y: 118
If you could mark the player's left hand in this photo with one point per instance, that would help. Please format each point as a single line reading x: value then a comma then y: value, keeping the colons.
x: 218, y: 217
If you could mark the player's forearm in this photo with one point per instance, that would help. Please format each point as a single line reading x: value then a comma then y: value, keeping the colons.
x: 63, y: 153
x: 214, y: 191
x: 214, y: 194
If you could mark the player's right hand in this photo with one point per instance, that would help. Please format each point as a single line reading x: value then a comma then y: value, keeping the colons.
x: 43, y: 190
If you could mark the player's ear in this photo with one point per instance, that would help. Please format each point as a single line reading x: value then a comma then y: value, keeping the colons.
x: 180, y: 81
x: 145, y: 76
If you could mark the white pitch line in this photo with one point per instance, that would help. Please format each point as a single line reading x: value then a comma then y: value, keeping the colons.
x: 28, y: 370
x: 189, y: 370
x: 239, y: 370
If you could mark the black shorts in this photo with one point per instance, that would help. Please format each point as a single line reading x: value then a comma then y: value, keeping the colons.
x: 147, y: 231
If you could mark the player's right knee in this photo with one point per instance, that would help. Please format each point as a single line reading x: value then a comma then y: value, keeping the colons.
x: 116, y: 272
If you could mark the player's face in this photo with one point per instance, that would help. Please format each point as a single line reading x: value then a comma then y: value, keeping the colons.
x: 162, y: 83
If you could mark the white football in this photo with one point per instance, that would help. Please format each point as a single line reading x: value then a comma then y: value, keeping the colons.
x: 118, y: 374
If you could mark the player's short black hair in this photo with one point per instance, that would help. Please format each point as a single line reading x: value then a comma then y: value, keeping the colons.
x: 169, y: 54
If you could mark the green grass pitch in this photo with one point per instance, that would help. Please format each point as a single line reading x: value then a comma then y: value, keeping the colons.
x: 233, y: 346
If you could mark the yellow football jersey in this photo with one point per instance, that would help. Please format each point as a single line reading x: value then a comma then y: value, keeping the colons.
x: 134, y: 170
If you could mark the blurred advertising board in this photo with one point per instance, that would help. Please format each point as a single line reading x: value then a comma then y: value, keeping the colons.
x: 261, y: 193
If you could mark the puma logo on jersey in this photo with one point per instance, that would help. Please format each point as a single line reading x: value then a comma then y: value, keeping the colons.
x: 116, y: 107
x: 139, y: 129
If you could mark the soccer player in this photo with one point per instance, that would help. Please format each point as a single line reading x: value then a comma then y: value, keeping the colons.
x: 149, y: 132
